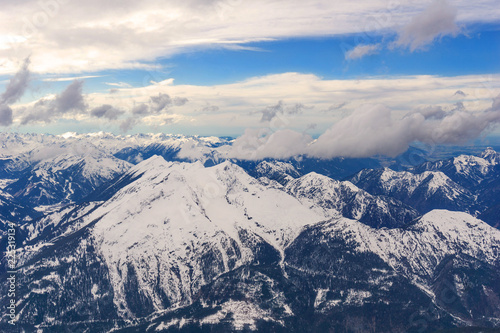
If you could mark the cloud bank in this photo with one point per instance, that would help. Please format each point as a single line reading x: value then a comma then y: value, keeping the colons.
x: 378, y: 120
x: 369, y: 131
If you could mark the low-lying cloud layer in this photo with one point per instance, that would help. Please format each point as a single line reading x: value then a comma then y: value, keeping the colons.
x: 358, y: 130
x: 369, y: 131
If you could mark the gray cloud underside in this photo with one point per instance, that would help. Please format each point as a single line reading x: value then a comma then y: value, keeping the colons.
x: 13, y: 92
x: 439, y: 19
x: 157, y: 104
x: 106, y: 111
x: 45, y: 110
x: 17, y: 85
x: 5, y: 115
x: 271, y: 112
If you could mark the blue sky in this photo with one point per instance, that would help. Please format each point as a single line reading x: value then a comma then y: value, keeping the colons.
x: 475, y: 51
x: 224, y: 66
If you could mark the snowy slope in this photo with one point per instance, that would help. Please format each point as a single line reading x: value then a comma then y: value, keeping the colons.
x: 180, y: 213
x: 424, y: 191
x: 418, y: 249
x: 467, y: 170
x: 350, y: 201
x: 182, y: 225
x: 65, y: 178
x: 282, y: 172
x: 187, y: 244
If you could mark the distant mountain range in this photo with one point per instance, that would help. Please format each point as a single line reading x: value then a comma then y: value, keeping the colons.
x: 130, y: 234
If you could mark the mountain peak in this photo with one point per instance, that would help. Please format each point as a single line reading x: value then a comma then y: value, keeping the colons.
x: 491, y: 155
x: 155, y: 162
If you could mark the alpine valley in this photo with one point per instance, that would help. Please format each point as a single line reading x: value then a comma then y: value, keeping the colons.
x: 164, y: 233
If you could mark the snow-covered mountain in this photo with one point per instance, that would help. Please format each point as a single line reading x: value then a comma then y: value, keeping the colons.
x: 50, y: 170
x: 350, y: 201
x: 424, y: 191
x: 180, y: 246
x: 282, y: 172
x: 466, y: 170
x: 65, y: 178
x: 13, y: 211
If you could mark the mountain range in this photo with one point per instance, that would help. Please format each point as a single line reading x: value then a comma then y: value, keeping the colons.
x: 127, y: 234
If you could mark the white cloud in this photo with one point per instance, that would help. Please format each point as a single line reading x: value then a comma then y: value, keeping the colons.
x: 370, y: 130
x: 438, y: 20
x: 362, y: 50
x: 93, y: 35
x: 118, y: 84
x: 71, y: 100
x: 16, y: 87
x: 65, y: 79
x: 384, y: 115
x: 242, y: 104
x: 256, y: 144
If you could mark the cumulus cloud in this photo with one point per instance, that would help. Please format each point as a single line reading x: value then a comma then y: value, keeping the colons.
x: 15, y: 89
x: 366, y: 132
x: 140, y: 109
x: 128, y: 124
x: 362, y: 50
x: 5, y: 115
x: 256, y: 144
x: 158, y: 104
x: 430, y: 112
x: 44, y: 110
x: 438, y: 20
x: 376, y: 130
x: 71, y: 98
x: 270, y: 112
x: 17, y: 85
x: 371, y: 130
x: 106, y: 111
x: 237, y: 99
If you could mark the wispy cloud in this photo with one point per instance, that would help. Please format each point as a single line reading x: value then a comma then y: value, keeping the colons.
x: 118, y: 84
x: 73, y: 78
x: 361, y: 51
